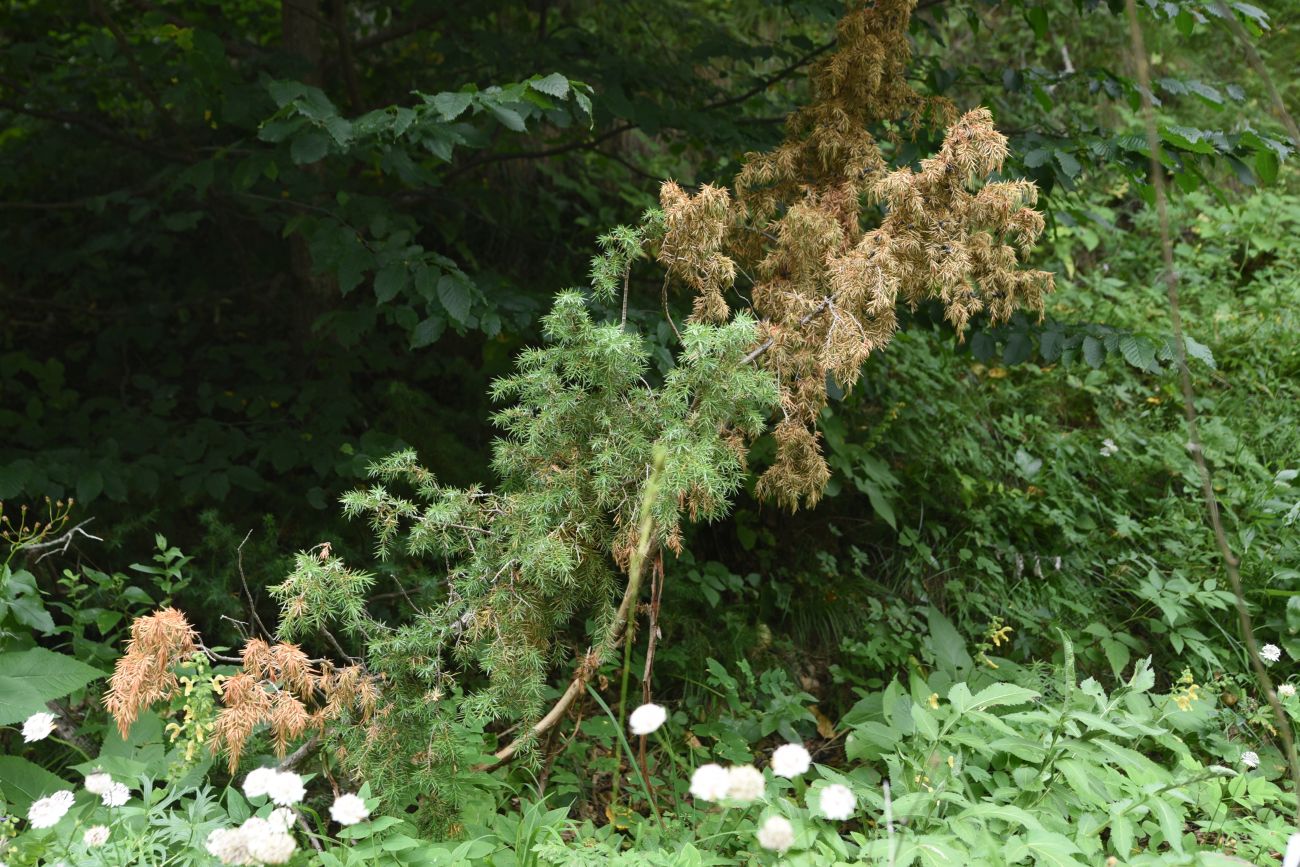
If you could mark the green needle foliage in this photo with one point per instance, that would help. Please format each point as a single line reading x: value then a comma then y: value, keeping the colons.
x: 526, y: 560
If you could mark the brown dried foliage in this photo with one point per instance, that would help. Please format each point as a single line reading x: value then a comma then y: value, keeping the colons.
x: 279, y: 686
x: 143, y: 675
x: 827, y: 289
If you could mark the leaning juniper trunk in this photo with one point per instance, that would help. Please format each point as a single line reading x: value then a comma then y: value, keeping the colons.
x: 836, y: 241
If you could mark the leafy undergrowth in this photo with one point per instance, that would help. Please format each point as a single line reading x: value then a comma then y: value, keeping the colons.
x: 1026, y: 656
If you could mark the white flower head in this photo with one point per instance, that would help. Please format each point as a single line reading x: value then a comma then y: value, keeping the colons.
x: 115, y: 795
x: 646, y: 719
x: 258, y: 782
x: 1286, y: 690
x: 282, y: 818
x: 46, y: 812
x: 1270, y: 653
x: 38, y: 727
x: 98, y: 783
x: 745, y: 783
x: 1108, y: 447
x: 790, y: 761
x: 96, y: 835
x: 776, y: 834
x: 836, y: 802
x: 710, y: 782
x: 349, y: 809
x: 286, y: 789
x: 267, y: 842
x: 1292, y: 856
x: 227, y: 846
x: 1250, y: 759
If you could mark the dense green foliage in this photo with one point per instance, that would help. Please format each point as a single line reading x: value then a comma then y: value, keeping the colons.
x: 260, y: 260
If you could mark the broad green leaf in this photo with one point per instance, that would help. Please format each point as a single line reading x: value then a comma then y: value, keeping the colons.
x: 509, y: 118
x: 552, y: 85
x: 1001, y: 694
x: 455, y: 297
x: 30, y: 678
x: 946, y: 642
x: 1053, y: 849
x: 390, y: 280
x: 1093, y: 351
x: 309, y: 148
x: 1199, y: 351
x: 427, y: 332
x: 1170, y: 819
x: 22, y: 782
x: 925, y: 723
x: 1137, y: 351
x: 452, y: 105
x: 1008, y: 813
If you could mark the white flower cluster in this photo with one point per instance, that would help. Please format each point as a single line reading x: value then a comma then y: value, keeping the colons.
x: 1108, y: 447
x: 647, y: 719
x: 38, y: 727
x: 284, y: 788
x: 741, y: 784
x: 349, y: 809
x: 111, y: 794
x: 836, y: 802
x: 1286, y: 690
x: 46, y: 812
x: 745, y: 783
x: 790, y: 761
x: 776, y: 834
x: 1270, y: 653
x: 1250, y: 759
x: 96, y: 835
x: 257, y: 841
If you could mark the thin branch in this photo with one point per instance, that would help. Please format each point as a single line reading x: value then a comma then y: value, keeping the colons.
x: 1230, y: 561
x: 397, y: 31
x: 1279, y: 107
x: 617, y: 631
x: 291, y: 761
x: 252, y: 606
x: 590, y: 144
x: 60, y: 544
x: 767, y: 344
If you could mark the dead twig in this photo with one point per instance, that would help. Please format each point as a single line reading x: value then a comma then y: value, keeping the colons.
x: 60, y: 544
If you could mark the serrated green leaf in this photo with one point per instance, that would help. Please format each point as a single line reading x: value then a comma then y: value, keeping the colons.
x: 30, y: 678
x: 555, y: 85
x: 1001, y: 694
x: 390, y: 280
x: 455, y: 297
x: 309, y: 148
x: 1053, y: 849
x: 22, y: 782
x: 509, y: 118
x: 1137, y: 351
x: 1093, y: 351
x: 452, y: 105
x: 1199, y: 351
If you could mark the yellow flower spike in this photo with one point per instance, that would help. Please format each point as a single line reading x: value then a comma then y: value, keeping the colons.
x: 934, y: 700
